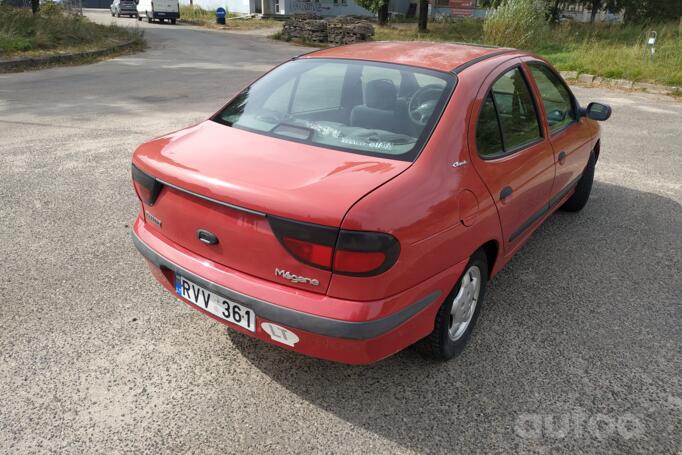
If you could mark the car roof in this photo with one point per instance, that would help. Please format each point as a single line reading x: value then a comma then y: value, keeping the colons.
x: 435, y: 56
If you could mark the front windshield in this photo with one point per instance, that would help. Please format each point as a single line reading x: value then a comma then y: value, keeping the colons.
x: 362, y: 107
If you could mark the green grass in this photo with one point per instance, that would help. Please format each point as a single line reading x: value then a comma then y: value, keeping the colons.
x: 206, y: 18
x: 613, y: 51
x: 53, y: 30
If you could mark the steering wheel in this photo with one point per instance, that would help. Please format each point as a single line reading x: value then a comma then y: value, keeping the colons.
x: 423, y: 103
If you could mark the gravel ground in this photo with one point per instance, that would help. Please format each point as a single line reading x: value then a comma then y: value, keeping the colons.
x: 578, y: 348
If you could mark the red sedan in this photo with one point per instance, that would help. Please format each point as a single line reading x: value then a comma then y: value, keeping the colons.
x: 356, y: 200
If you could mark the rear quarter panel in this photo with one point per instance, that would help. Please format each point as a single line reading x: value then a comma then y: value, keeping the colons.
x: 423, y: 208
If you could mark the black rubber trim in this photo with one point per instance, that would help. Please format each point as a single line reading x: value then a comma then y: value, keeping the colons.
x: 545, y: 208
x: 292, y: 318
x: 476, y: 60
x: 560, y: 195
x: 529, y: 222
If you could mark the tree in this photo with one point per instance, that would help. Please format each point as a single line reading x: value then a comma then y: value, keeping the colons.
x: 652, y: 10
x: 423, y: 14
x: 379, y: 7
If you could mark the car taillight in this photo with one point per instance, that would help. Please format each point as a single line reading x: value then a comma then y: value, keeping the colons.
x: 146, y: 186
x: 365, y: 253
x: 356, y: 253
x: 311, y: 244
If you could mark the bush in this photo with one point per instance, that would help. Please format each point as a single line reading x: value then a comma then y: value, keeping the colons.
x: 516, y: 23
x: 196, y: 14
x: 54, y: 28
x: 13, y: 44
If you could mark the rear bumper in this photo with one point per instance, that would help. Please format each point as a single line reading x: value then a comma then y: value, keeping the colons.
x: 355, y: 338
x: 164, y: 15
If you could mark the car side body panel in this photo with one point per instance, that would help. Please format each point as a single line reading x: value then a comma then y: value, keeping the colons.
x: 426, y: 217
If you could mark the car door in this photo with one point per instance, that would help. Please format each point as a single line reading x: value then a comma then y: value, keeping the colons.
x: 570, y: 136
x: 510, y: 151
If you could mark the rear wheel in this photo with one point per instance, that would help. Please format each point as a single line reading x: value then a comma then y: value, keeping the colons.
x: 149, y: 19
x: 582, y: 191
x: 173, y: 21
x: 457, y: 316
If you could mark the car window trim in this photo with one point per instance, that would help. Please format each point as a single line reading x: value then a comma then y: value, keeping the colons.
x: 574, y: 101
x: 505, y: 153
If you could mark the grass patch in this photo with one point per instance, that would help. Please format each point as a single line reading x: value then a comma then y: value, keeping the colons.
x: 607, y: 50
x: 54, y: 31
x: 206, y: 18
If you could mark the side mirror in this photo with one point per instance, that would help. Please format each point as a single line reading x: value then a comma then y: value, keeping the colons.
x: 598, y: 111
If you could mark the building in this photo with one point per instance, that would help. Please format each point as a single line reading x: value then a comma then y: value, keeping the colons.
x: 286, y: 7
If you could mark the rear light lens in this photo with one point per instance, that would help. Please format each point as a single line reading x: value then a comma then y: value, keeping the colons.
x: 146, y: 186
x: 357, y: 262
x: 318, y: 255
x: 311, y: 244
x: 355, y: 253
x: 362, y: 253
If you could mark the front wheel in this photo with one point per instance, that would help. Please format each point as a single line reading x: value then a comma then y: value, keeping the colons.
x: 457, y: 316
x: 118, y: 14
x: 173, y: 21
x: 139, y: 18
x: 583, y: 189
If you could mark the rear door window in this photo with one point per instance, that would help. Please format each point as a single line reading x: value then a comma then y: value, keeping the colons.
x: 516, y: 110
x: 508, y: 120
x: 488, y: 134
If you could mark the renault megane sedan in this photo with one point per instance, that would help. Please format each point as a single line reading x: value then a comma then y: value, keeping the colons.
x: 356, y: 200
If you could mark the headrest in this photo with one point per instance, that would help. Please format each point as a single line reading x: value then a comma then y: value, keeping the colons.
x: 381, y: 94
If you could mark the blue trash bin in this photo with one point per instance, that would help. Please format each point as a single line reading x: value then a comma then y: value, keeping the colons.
x: 220, y: 14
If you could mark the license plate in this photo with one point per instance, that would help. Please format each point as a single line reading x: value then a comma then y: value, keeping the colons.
x: 215, y: 304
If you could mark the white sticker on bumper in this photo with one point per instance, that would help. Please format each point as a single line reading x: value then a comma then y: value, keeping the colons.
x: 280, y: 334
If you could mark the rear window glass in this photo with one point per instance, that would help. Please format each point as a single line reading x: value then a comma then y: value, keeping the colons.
x: 362, y: 107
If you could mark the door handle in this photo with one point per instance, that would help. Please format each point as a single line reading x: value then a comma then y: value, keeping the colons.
x: 505, y: 193
x: 562, y: 157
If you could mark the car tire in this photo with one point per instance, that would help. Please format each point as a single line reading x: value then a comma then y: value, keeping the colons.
x: 172, y: 21
x: 449, y: 337
x: 149, y: 19
x: 118, y: 14
x: 139, y: 18
x: 583, y: 189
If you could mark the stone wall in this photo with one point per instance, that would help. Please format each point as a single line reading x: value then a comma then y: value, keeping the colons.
x: 337, y: 30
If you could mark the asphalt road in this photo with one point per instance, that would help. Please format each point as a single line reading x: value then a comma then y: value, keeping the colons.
x: 578, y: 348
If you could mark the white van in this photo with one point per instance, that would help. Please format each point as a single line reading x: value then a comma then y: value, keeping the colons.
x: 158, y: 9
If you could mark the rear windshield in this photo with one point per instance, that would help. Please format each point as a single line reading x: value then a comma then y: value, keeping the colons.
x: 362, y: 107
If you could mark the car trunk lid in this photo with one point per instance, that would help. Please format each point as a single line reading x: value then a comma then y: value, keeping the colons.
x: 229, y: 182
